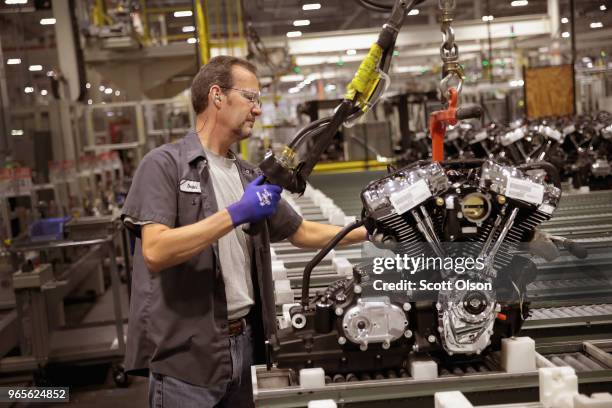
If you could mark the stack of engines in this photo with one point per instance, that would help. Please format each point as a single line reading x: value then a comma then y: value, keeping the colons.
x: 580, y: 147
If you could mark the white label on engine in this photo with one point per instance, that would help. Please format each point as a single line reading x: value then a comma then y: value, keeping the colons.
x: 568, y: 130
x: 554, y: 134
x: 480, y: 136
x: 410, y: 197
x: 525, y: 190
x: 547, y: 208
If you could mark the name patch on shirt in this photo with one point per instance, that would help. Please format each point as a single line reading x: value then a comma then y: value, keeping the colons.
x: 190, y: 186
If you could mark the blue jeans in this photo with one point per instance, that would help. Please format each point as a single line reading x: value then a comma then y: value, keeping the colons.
x: 169, y: 392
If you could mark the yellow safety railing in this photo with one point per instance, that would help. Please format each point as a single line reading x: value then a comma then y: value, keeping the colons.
x: 349, y: 166
x: 202, y: 27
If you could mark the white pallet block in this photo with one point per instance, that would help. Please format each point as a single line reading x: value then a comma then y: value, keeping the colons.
x: 282, y: 285
x: 328, y: 209
x: 283, y: 292
x: 309, y: 191
x: 278, y: 270
x: 317, y: 197
x: 349, y: 219
x: 273, y: 255
x: 422, y: 368
x: 518, y: 355
x: 336, y: 217
x: 284, y: 321
x: 312, y: 378
x: 451, y: 399
x: 297, y: 208
x: 330, y: 255
x: 324, y: 201
x: 597, y: 400
x: 558, y: 386
x: 322, y: 404
x: 342, y: 266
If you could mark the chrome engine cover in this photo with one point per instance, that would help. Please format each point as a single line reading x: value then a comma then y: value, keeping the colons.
x: 466, y: 319
x: 374, y: 320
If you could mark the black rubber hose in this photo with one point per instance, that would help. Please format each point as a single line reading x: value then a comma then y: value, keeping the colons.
x: 471, y: 111
x: 325, y: 138
x: 307, y: 129
x: 319, y: 257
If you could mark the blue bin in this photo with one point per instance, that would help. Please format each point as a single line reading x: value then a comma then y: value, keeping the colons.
x: 48, y: 229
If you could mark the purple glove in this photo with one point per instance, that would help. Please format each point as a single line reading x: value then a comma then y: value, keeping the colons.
x: 257, y: 202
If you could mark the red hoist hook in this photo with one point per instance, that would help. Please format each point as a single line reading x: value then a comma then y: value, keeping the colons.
x: 438, y: 121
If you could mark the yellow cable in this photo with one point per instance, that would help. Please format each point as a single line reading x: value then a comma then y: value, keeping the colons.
x: 366, y: 78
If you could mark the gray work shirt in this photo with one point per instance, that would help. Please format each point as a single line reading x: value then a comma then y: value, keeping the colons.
x: 178, y: 319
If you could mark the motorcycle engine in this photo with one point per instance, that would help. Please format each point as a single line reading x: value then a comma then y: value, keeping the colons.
x: 477, y: 208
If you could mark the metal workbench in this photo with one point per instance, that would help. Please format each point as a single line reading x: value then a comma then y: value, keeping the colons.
x: 42, y: 340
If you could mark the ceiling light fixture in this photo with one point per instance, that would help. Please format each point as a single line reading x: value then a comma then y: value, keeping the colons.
x: 603, y: 7
x: 597, y: 24
x: 43, y: 92
x: 17, y: 132
x: 11, y: 2
x: 117, y: 93
x: 414, y: 12
x: 301, y: 23
x: 183, y: 13
x: 487, y: 18
x: 192, y: 40
x: 311, y: 6
x: 13, y: 61
x: 519, y: 3
x: 28, y: 89
x: 35, y: 68
x: 564, y: 20
x: 565, y: 34
x: 47, y: 21
x: 88, y: 85
x: 351, y: 52
x: 108, y: 91
x: 293, y: 34
x: 188, y: 29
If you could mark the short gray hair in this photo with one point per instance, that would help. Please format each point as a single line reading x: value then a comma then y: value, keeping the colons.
x: 218, y: 71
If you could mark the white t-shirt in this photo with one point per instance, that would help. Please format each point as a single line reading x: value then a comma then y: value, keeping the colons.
x: 234, y: 247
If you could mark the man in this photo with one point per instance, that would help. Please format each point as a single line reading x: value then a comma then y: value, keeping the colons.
x: 202, y: 292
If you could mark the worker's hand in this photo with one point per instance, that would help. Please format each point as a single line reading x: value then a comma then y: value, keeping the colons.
x: 257, y: 202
